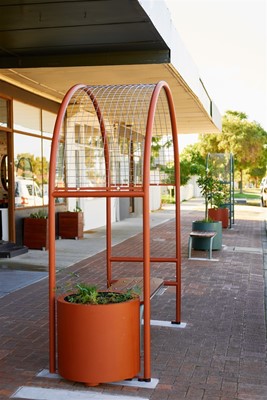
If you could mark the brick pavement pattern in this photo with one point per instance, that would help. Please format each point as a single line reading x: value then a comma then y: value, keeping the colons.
x: 220, y: 355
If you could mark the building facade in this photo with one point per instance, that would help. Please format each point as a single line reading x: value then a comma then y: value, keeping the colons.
x: 48, y: 47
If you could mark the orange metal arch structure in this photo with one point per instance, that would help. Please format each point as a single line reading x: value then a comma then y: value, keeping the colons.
x: 124, y: 120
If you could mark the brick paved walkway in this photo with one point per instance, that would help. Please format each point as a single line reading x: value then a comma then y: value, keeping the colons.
x: 221, y: 354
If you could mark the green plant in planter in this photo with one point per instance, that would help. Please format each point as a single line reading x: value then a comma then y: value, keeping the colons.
x: 220, y: 196
x: 39, y: 214
x: 88, y: 294
x: 84, y: 293
x: 213, y: 190
x: 77, y: 209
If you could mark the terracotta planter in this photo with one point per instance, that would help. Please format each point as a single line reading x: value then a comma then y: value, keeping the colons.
x: 35, y: 233
x: 219, y: 214
x: 98, y: 343
x: 70, y: 225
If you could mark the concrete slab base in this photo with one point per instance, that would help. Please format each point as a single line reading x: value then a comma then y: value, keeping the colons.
x: 39, y: 393
x: 167, y: 324
x: 203, y: 259
x: 44, y: 373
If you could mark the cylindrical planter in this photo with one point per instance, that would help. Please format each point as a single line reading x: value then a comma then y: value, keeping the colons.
x: 204, y: 243
x: 98, y: 343
x: 220, y: 214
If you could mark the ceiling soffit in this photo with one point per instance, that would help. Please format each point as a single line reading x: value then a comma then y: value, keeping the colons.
x: 53, y: 83
x: 68, y: 33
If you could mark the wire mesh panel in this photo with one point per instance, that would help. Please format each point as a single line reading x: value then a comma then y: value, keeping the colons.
x: 101, y: 143
x: 222, y: 166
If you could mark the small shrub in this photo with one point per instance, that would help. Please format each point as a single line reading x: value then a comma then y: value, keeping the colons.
x: 88, y: 294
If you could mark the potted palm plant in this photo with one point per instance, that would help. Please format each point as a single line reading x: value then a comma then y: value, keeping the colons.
x: 98, y: 335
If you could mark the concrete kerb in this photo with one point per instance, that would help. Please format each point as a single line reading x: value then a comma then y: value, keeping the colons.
x: 264, y: 250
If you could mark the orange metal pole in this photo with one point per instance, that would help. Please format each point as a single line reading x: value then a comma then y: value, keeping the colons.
x: 140, y: 259
x: 146, y: 231
x: 146, y: 225
x: 146, y: 288
x: 108, y: 239
x: 52, y: 285
x: 97, y: 193
x: 177, y: 204
x: 51, y: 227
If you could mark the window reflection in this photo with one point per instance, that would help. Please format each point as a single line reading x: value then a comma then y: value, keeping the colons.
x: 4, y: 120
x: 28, y: 171
x: 48, y: 123
x: 27, y: 118
x: 45, y: 161
x: 32, y: 143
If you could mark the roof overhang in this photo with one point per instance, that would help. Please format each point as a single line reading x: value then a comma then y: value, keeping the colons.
x: 48, y: 46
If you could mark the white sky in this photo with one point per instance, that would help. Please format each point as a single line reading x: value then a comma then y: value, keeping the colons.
x: 227, y: 40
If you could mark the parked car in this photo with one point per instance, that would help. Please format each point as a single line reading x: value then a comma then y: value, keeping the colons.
x: 27, y: 193
x: 263, y: 188
x: 263, y: 182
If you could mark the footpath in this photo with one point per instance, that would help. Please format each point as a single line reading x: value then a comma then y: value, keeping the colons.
x: 219, y: 355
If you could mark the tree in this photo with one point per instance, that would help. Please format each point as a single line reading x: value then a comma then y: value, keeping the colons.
x: 191, y: 163
x: 244, y: 139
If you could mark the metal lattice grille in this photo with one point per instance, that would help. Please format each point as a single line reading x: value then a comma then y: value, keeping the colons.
x: 102, y: 141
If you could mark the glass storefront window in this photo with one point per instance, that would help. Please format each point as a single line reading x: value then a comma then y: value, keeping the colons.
x: 26, y: 118
x: 28, y: 171
x: 4, y: 120
x: 33, y: 132
x: 31, y: 171
x: 45, y: 161
x: 48, y: 123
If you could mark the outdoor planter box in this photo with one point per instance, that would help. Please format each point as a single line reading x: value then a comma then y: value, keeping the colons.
x: 36, y: 233
x: 98, y: 343
x: 70, y: 225
x: 219, y: 214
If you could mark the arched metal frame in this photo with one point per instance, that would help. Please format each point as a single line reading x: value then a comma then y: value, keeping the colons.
x: 112, y: 187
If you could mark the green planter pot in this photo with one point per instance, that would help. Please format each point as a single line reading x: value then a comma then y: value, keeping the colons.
x: 203, y: 243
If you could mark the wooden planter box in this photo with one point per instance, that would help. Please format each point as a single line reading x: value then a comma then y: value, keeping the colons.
x: 98, y: 343
x: 70, y: 225
x: 36, y: 233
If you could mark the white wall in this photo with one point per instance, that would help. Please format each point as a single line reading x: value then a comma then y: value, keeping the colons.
x: 94, y: 211
x: 154, y: 197
x: 190, y: 190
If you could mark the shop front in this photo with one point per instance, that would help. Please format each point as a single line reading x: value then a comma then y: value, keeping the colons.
x: 26, y: 130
